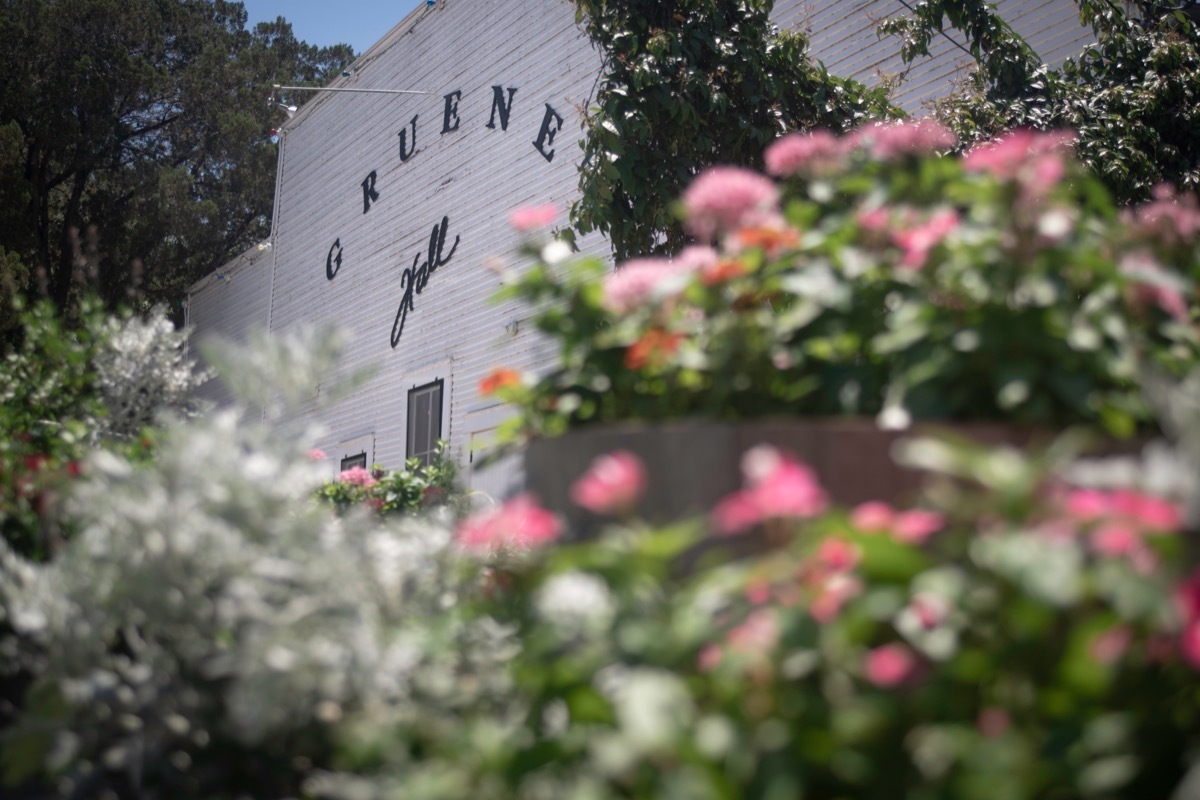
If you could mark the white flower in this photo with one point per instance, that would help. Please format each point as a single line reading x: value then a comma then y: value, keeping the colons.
x: 575, y: 602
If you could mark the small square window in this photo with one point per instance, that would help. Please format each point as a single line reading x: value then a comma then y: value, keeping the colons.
x: 424, y: 421
x: 350, y: 462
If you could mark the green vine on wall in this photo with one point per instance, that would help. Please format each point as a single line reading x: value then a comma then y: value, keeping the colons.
x: 687, y: 84
x: 1133, y: 96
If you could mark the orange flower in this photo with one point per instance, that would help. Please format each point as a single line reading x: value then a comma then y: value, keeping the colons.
x: 721, y: 271
x: 770, y: 239
x: 653, y: 349
x: 499, y: 379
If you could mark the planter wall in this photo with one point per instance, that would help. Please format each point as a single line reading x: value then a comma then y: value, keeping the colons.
x: 691, y: 464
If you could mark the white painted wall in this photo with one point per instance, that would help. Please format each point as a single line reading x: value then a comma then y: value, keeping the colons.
x: 473, y: 176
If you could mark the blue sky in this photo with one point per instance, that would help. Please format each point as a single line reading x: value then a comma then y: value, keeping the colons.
x: 361, y: 23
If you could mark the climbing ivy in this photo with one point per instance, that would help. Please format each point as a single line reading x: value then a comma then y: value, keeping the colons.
x: 686, y: 84
x: 1133, y: 96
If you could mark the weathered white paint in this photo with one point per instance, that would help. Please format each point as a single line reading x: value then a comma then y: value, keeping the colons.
x: 473, y: 176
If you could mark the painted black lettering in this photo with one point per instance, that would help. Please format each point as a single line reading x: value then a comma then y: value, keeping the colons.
x: 405, y: 152
x: 498, y: 105
x: 369, y: 193
x: 451, y: 111
x: 546, y: 133
x: 333, y: 263
x: 414, y: 279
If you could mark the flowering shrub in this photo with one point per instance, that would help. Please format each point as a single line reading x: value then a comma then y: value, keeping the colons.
x: 209, y: 625
x: 988, y: 647
x: 406, y: 491
x: 67, y: 387
x: 1015, y: 633
x: 871, y: 275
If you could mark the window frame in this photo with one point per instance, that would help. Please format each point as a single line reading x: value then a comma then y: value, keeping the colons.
x: 425, y: 457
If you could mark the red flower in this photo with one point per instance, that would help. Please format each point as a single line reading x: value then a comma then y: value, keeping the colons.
x: 654, y: 349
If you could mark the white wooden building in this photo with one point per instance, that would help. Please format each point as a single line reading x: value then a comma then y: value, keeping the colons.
x: 389, y: 208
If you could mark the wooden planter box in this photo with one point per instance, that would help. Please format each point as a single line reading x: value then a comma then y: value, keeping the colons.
x: 692, y: 464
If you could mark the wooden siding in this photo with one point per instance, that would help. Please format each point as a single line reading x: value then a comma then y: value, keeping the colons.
x: 230, y: 304
x: 473, y: 176
x: 842, y: 36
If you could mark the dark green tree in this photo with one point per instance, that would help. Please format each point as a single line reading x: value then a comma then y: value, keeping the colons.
x: 1133, y: 96
x: 146, y: 120
x: 687, y: 84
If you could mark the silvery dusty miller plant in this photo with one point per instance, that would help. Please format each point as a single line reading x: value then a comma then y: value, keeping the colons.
x: 210, y: 622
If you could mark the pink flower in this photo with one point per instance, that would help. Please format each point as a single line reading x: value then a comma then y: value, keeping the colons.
x: 708, y: 658
x: 1108, y: 646
x: 695, y: 258
x: 1035, y: 159
x: 889, y: 140
x: 519, y: 523
x: 612, y: 485
x: 357, y: 476
x: 790, y: 491
x: 919, y: 241
x: 831, y: 594
x: 778, y: 487
x: 532, y: 218
x: 873, y: 516
x: 889, y: 665
x: 316, y: 454
x: 1168, y: 217
x: 723, y: 198
x: 631, y: 284
x: 838, y: 554
x: 1189, y: 643
x: 1116, y: 538
x: 875, y: 220
x: 1160, y: 515
x: 929, y: 610
x: 757, y: 634
x: 917, y: 525
x: 758, y: 591
x: 735, y: 513
x: 803, y: 153
x: 1154, y: 284
x: 1084, y: 505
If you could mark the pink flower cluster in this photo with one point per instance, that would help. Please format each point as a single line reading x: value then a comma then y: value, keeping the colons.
x: 612, y: 485
x: 1169, y: 216
x: 890, y: 140
x: 811, y: 153
x: 1118, y: 521
x: 911, y: 527
x: 532, y: 218
x: 829, y: 578
x: 1036, y: 160
x: 519, y: 523
x: 723, y: 199
x: 1154, y: 284
x: 889, y: 665
x: 357, y: 476
x: 778, y: 487
x: 633, y: 283
x: 820, y: 152
x: 918, y: 241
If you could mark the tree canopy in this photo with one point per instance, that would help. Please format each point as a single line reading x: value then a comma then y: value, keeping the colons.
x: 1133, y: 96
x: 146, y: 120
x: 687, y: 84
